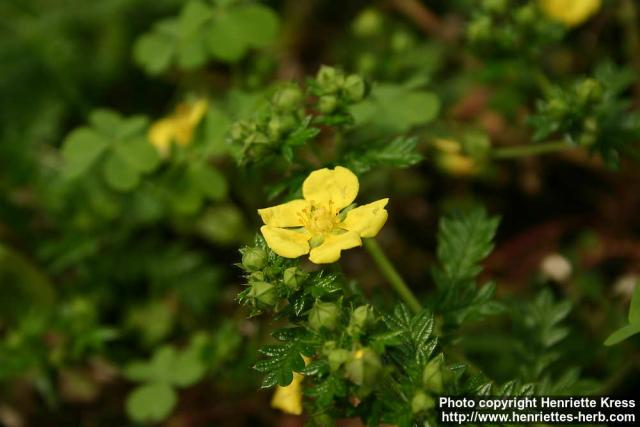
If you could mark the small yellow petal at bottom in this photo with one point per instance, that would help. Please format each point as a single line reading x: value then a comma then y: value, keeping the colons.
x: 289, y: 399
x: 286, y: 243
x: 333, y: 244
x: 367, y: 220
x: 161, y: 133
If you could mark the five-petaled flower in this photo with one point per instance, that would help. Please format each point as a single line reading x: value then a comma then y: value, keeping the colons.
x: 319, y: 224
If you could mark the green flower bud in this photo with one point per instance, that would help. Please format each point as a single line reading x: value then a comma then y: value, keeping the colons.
x: 293, y: 277
x: 262, y: 294
x: 354, y: 88
x: 476, y: 144
x: 287, y: 98
x: 254, y: 259
x: 589, y: 90
x: 337, y: 358
x: 368, y: 23
x: 324, y: 315
x: 363, y: 367
x: 401, y: 41
x: 362, y: 317
x: 256, y: 276
x: 327, y: 103
x: 480, y: 29
x: 432, y: 374
x: 557, y: 108
x: 329, y: 79
x: 275, y: 127
x: 237, y: 131
x: 421, y: 402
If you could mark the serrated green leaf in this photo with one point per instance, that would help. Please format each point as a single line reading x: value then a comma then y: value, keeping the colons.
x: 151, y: 402
x: 463, y: 241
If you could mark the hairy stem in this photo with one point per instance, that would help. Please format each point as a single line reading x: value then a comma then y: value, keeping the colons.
x: 530, y: 150
x: 391, y: 274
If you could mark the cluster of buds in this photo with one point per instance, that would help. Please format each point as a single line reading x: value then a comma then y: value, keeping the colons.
x: 336, y: 91
x: 432, y: 385
x: 572, y: 110
x: 361, y: 366
x: 505, y: 25
x: 267, y: 132
x: 267, y: 283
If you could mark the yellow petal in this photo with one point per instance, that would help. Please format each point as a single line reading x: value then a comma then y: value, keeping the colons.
x: 197, y: 111
x: 333, y: 244
x: 284, y: 215
x: 286, y: 243
x: 570, y: 12
x: 161, y: 133
x: 338, y: 185
x: 366, y: 220
x: 289, y: 399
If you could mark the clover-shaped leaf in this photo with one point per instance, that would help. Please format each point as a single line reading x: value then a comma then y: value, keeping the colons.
x: 117, y: 144
x: 151, y: 402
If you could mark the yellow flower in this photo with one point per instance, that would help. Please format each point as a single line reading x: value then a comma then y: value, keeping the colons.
x: 570, y: 12
x: 315, y: 225
x: 178, y: 127
x: 289, y: 399
x: 451, y: 159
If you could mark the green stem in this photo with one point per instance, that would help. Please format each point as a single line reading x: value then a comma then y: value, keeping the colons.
x: 391, y: 274
x: 529, y: 150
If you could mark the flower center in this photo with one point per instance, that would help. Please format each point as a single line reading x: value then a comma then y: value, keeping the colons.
x: 320, y: 219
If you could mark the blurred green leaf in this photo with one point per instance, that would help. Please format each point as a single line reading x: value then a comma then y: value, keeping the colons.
x: 151, y: 402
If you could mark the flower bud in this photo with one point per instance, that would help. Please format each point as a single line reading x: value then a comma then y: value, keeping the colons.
x: 480, y: 29
x: 287, y: 98
x: 254, y: 259
x: 275, y: 127
x: 293, y: 277
x: 337, y: 357
x: 368, y: 23
x: 327, y: 103
x: 363, y: 368
x: 354, y: 88
x: 432, y: 374
x: 262, y: 294
x: 362, y: 317
x: 329, y: 79
x: 421, y: 402
x: 324, y: 315
x: 589, y: 90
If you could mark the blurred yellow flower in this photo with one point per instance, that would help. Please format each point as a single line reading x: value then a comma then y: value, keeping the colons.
x: 451, y: 159
x: 289, y: 399
x: 570, y: 12
x: 178, y: 127
x: 315, y: 225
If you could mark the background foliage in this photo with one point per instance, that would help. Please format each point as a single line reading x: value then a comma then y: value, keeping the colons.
x: 117, y: 279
